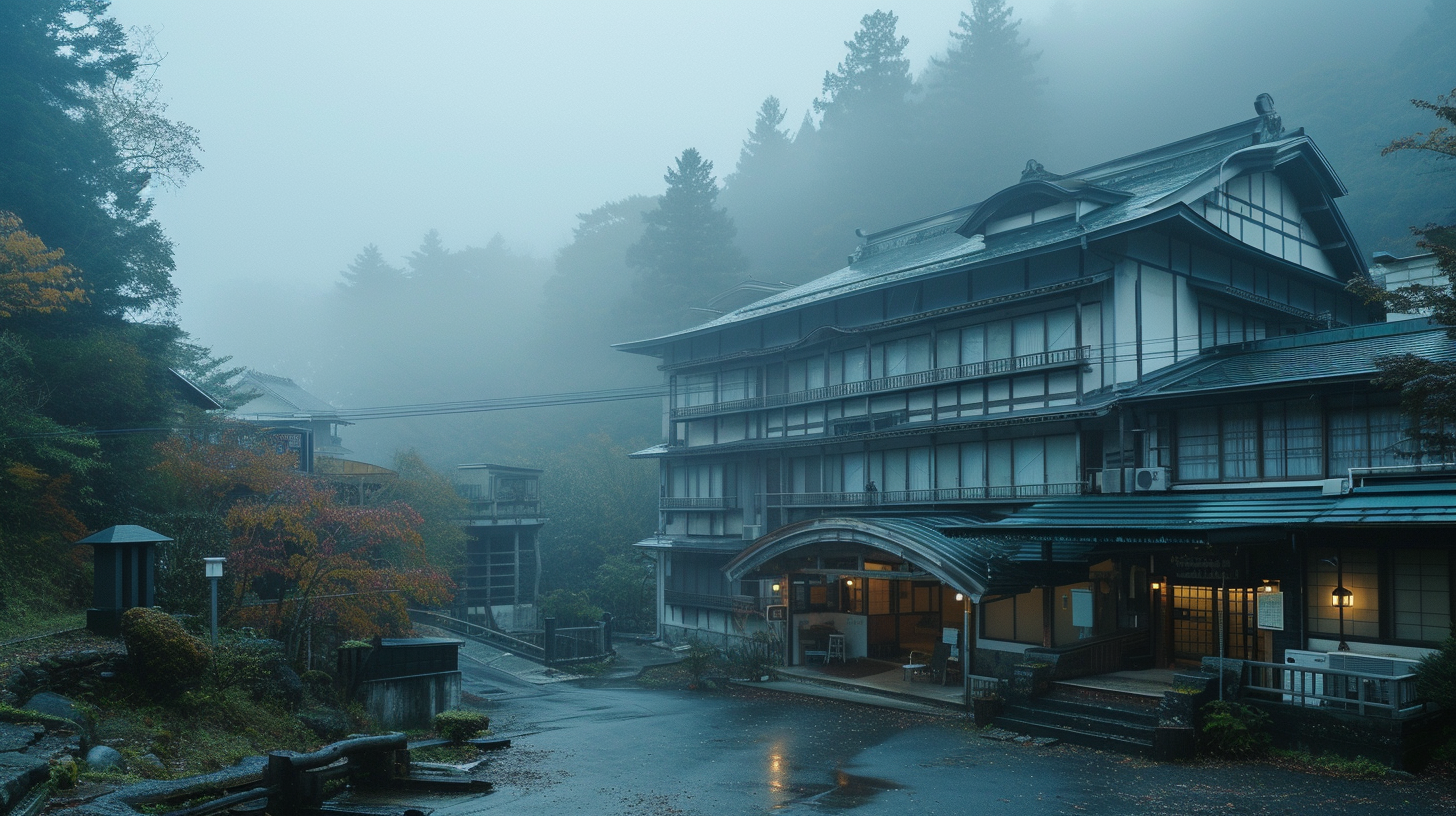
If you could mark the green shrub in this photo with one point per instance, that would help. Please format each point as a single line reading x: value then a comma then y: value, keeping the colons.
x: 700, y: 658
x: 1234, y: 729
x: 458, y: 726
x: 166, y: 657
x: 753, y: 657
x: 1436, y: 676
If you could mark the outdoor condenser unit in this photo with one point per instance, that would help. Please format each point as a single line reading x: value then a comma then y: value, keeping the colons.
x: 1305, y: 682
x: 1150, y: 479
x: 1375, y: 691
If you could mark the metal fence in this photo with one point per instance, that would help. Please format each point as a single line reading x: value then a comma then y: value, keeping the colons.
x: 1369, y: 695
x: 550, y: 647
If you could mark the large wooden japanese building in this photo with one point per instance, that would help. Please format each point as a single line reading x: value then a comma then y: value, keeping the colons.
x: 1131, y: 402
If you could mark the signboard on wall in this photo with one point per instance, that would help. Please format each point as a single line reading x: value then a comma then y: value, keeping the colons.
x: 1194, y: 569
x: 1270, y: 607
x: 778, y: 612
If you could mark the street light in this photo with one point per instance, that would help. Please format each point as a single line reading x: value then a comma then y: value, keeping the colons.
x: 212, y: 568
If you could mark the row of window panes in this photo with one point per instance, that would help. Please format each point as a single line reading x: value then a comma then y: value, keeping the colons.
x: 1283, y: 440
x: 1023, y: 393
x: 1419, y: 582
x: 998, y: 340
x: 996, y: 463
x: 696, y: 481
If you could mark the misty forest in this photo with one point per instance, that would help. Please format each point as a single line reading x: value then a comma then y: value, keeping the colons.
x: 93, y: 431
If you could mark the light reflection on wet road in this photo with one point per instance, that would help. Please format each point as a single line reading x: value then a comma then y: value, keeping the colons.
x: 627, y: 750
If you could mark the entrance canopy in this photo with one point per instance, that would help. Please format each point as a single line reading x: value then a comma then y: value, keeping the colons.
x: 952, y: 549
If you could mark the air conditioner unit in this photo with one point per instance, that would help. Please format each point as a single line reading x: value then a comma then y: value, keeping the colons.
x: 1307, y: 682
x: 1372, y: 664
x: 1373, y: 691
x: 752, y: 531
x: 1149, y: 479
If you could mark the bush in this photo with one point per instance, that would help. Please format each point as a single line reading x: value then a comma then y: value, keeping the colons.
x: 1234, y: 729
x: 570, y: 608
x: 700, y: 658
x: 753, y: 657
x: 164, y: 654
x: 458, y: 726
x: 1436, y: 676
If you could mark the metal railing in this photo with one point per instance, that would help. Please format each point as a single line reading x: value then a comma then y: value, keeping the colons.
x: 503, y: 509
x: 697, y: 502
x: 939, y: 495
x: 1369, y: 695
x: 724, y: 603
x: 967, y: 371
x: 475, y: 631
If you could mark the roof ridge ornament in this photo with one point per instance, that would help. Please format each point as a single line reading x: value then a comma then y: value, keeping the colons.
x: 1036, y: 172
x: 1271, y: 125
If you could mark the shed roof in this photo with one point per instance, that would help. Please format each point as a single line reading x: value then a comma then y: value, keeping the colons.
x: 124, y: 534
x: 281, y: 398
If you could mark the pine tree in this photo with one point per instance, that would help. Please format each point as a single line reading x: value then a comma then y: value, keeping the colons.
x: 875, y: 75
x: 766, y: 145
x: 370, y: 273
x: 986, y: 55
x: 686, y: 255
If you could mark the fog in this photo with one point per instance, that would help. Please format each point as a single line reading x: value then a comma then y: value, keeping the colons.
x: 328, y: 127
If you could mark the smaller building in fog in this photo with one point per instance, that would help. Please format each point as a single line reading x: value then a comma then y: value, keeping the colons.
x: 502, y: 561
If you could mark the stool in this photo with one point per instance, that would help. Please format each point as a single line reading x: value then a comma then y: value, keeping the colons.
x: 836, y: 649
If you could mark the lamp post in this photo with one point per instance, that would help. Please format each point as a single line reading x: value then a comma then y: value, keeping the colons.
x: 965, y: 649
x: 1341, y: 598
x: 212, y: 567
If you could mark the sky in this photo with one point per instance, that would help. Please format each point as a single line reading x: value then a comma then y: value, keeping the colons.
x: 327, y: 126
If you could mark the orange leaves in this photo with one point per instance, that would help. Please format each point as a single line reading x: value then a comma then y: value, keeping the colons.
x: 32, y: 277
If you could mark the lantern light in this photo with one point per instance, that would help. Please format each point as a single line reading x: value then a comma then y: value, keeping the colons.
x: 1340, y: 596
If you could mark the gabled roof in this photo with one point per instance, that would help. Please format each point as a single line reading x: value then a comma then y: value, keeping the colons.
x: 1141, y: 189
x: 281, y: 398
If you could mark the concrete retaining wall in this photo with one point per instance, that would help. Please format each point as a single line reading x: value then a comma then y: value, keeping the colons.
x: 400, y: 703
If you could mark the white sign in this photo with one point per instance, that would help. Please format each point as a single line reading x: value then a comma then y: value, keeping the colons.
x: 1271, y: 610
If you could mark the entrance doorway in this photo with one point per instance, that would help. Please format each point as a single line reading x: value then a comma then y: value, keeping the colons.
x: 1196, y: 612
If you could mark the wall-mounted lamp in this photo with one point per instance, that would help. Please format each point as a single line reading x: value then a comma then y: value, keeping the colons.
x: 1156, y: 585
x: 776, y: 586
x: 960, y: 597
x: 1339, y: 596
x: 849, y: 582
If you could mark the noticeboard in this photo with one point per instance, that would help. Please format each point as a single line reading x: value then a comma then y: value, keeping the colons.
x: 1270, y: 607
x: 778, y: 612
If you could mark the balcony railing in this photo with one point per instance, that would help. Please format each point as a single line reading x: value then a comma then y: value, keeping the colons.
x: 723, y: 603
x: 865, y: 498
x: 968, y: 371
x: 1369, y: 695
x: 520, y: 509
x: 697, y: 502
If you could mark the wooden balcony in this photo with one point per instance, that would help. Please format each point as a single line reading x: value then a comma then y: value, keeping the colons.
x: 1060, y: 358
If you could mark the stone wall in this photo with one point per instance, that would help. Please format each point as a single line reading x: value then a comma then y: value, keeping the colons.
x: 402, y: 703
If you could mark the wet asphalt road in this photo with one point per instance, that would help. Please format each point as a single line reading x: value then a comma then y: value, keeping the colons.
x: 619, y: 749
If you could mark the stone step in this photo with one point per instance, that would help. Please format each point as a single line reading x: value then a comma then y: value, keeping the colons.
x: 1084, y: 718
x: 1078, y: 736
x: 1141, y: 716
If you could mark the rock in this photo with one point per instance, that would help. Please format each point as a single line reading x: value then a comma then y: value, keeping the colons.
x: 149, y: 765
x: 102, y: 758
x: 15, y: 737
x: 19, y: 773
x: 289, y: 685
x: 55, y: 705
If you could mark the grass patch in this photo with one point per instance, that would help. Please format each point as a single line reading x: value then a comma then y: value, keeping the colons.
x: 23, y: 622
x: 1329, y: 764
x: 446, y: 754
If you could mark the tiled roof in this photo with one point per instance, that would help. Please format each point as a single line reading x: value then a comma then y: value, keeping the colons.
x: 1344, y: 353
x: 1149, y: 179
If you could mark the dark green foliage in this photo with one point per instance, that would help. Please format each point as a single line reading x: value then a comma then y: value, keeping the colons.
x: 569, y: 608
x: 458, y: 726
x: 754, y: 657
x: 686, y: 255
x: 1436, y: 676
x: 701, y: 658
x: 1234, y: 730
x: 165, y: 656
x: 370, y: 273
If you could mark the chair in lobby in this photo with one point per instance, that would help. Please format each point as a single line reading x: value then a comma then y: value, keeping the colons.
x: 940, y: 663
